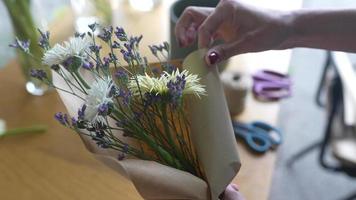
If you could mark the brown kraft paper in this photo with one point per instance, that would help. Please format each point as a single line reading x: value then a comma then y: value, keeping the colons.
x: 212, y: 136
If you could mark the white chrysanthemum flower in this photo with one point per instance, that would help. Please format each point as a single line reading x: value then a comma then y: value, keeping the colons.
x: 148, y: 84
x: 98, y: 95
x: 75, y: 47
x: 159, y: 85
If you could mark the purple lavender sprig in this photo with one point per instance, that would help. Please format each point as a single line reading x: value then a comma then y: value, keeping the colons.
x: 23, y: 45
x: 44, y: 39
x: 175, y: 89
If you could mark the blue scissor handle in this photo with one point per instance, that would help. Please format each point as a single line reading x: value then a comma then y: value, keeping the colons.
x: 258, y: 142
x: 274, y: 134
x: 258, y: 135
x: 255, y: 138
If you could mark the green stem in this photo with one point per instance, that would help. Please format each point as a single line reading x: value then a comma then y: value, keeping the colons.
x: 166, y: 128
x: 82, y: 81
x: 31, y: 129
x: 143, y: 136
x: 188, y: 166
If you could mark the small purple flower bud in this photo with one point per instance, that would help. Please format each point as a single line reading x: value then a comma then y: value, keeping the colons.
x: 93, y: 26
x: 88, y: 65
x: 68, y: 62
x: 127, y: 55
x: 120, y: 34
x: 95, y: 48
x: 125, y: 149
x: 128, y: 47
x: 55, y: 67
x: 107, y: 61
x: 14, y: 45
x: 44, y: 39
x: 121, y: 74
x: 61, y: 118
x: 112, y: 57
x: 135, y: 41
x: 26, y: 45
x: 22, y: 45
x: 104, y: 109
x: 125, y: 96
x: 106, y: 34
x: 166, y: 46
x: 153, y: 49
x: 138, y: 40
x: 121, y: 156
x: 81, y: 35
x: 175, y: 88
x: 38, y: 74
x: 151, y: 99
x: 81, y: 112
x: 101, y: 143
x: 116, y: 45
x: 113, y: 91
x: 74, y: 121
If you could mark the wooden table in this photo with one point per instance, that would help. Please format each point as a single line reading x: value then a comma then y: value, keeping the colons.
x: 55, y: 165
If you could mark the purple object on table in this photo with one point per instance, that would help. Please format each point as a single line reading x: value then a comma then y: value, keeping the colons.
x: 271, y: 86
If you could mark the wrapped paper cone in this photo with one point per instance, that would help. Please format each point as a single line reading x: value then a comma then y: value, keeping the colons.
x: 215, y: 146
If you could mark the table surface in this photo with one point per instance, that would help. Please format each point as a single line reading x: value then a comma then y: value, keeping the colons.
x: 56, y: 165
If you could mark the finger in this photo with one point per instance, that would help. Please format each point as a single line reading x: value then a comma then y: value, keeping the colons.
x: 187, y: 24
x: 191, y: 34
x: 182, y: 25
x: 211, y: 25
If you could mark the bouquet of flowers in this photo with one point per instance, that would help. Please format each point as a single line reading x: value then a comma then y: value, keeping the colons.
x: 166, y: 128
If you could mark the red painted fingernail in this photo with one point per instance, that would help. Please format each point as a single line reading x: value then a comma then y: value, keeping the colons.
x: 213, y: 57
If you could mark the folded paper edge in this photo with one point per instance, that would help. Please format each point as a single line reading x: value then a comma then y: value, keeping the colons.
x: 219, y: 171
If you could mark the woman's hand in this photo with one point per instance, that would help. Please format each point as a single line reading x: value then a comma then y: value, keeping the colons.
x: 242, y: 27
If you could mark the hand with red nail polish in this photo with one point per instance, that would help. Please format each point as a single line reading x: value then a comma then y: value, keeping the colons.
x: 243, y: 29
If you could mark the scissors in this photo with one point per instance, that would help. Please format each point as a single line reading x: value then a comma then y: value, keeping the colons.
x: 259, y: 136
x: 271, y: 86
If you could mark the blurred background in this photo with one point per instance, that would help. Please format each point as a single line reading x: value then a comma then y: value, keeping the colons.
x: 301, y: 120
